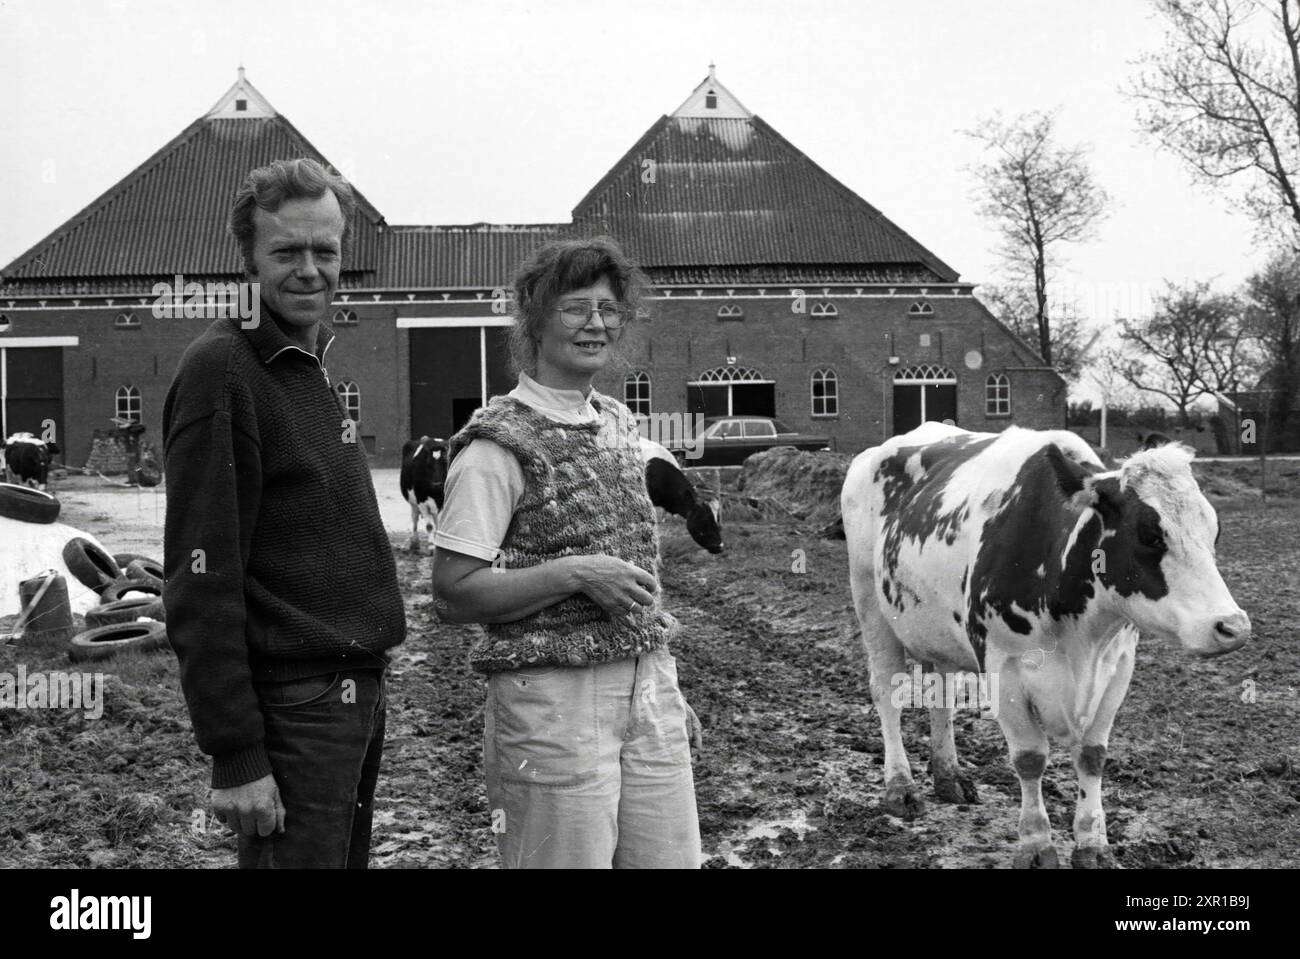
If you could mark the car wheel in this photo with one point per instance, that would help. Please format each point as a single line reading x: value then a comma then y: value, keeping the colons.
x: 125, y: 611
x: 116, y: 589
x: 105, y: 641
x: 145, y: 570
x: 27, y: 504
x: 90, y: 565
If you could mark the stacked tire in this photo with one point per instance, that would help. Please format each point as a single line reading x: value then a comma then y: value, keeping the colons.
x: 130, y: 613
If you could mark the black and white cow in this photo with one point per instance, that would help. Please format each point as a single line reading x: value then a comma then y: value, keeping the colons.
x: 1018, y: 557
x: 671, y: 490
x: 424, y: 474
x: 27, y: 458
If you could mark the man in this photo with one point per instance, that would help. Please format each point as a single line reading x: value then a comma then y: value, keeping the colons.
x: 281, y: 591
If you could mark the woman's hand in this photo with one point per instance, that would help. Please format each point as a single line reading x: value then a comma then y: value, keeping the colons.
x: 615, y: 585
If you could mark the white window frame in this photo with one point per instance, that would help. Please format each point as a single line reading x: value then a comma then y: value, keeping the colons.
x: 350, y: 394
x: 633, y: 384
x: 131, y: 394
x: 997, y: 395
x: 830, y: 393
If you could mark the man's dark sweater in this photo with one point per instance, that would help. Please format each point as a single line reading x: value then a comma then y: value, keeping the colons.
x: 278, y: 565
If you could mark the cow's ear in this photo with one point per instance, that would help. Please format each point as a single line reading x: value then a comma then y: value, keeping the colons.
x: 1070, y: 476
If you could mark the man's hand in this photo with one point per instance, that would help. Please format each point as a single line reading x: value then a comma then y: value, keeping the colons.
x: 253, y: 808
x: 694, y: 732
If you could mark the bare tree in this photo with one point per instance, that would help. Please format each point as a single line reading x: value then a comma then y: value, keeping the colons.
x: 1192, y: 345
x: 1016, y: 306
x: 1224, y: 95
x: 1038, y: 194
x: 1273, y: 322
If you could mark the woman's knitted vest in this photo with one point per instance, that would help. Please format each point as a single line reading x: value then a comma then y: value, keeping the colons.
x: 584, y: 494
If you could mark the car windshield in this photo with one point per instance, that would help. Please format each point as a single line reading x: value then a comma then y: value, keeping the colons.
x: 781, y: 427
x: 759, y: 428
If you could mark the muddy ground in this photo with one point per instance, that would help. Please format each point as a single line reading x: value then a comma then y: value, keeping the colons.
x: 1198, y: 775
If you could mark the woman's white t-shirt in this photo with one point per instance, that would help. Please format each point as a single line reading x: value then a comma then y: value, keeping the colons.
x: 486, y: 481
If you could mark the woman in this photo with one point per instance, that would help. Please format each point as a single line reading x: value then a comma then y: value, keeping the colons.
x: 547, y: 536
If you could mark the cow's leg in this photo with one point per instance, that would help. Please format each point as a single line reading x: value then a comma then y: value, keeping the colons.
x: 950, y: 783
x: 885, y: 660
x: 413, y: 545
x: 1091, y: 847
x: 1028, y: 747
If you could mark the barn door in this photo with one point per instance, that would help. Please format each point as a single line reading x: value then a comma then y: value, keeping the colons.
x: 32, y: 379
x: 907, y: 408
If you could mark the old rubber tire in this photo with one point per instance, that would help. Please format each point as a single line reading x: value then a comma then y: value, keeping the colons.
x: 125, y: 611
x: 126, y: 559
x: 90, y: 565
x: 105, y: 641
x: 27, y: 504
x: 145, y: 570
x: 115, y: 590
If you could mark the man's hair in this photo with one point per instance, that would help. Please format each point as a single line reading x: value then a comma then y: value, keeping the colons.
x: 270, y: 186
x: 560, y: 267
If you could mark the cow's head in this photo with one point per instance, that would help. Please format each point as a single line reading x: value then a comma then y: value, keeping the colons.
x: 434, y: 466
x: 703, y: 523
x: 1156, y: 551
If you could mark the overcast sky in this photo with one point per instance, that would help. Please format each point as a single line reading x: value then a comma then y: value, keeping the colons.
x: 509, y: 112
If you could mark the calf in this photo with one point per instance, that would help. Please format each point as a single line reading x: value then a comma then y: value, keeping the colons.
x: 424, y: 474
x: 670, y: 489
x: 1018, y: 556
x: 28, y: 458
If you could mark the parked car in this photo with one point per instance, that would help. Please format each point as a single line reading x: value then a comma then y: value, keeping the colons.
x: 728, y: 440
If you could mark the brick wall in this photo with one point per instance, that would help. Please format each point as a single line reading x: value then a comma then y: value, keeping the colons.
x: 684, y: 337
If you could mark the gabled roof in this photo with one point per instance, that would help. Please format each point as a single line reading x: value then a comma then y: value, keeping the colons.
x: 700, y: 191
x: 169, y: 214
x: 477, y: 256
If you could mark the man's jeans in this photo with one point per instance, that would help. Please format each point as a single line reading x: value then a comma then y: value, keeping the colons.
x: 590, y: 766
x: 325, y: 738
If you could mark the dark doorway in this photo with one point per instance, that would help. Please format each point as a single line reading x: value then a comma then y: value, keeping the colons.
x: 915, y: 404
x: 447, y: 367
x: 462, y: 408
x: 34, y: 392
x: 907, y: 408
x: 732, y: 399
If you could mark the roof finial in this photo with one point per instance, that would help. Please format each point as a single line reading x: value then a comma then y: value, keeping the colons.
x: 710, y: 69
x: 241, y: 71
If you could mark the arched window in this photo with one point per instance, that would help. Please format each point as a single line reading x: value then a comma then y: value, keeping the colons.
x: 731, y: 311
x: 825, y: 393
x: 127, y: 405
x: 126, y: 320
x: 732, y: 374
x: 927, y: 374
x: 636, y: 392
x: 997, y: 395
x: 345, y: 317
x: 350, y: 394
x: 822, y: 308
x: 920, y: 308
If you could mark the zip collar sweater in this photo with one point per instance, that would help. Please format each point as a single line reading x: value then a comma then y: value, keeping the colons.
x: 277, y: 563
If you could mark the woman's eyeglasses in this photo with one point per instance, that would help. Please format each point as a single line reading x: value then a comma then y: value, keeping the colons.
x: 576, y: 313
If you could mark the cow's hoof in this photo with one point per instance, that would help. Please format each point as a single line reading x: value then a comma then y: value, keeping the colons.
x: 1044, y: 858
x: 956, y: 789
x: 903, y: 799
x: 1093, y: 857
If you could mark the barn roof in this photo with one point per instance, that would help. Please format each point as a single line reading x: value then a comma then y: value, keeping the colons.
x: 446, y: 257
x: 709, y: 195
x: 169, y: 214
x: 714, y: 185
